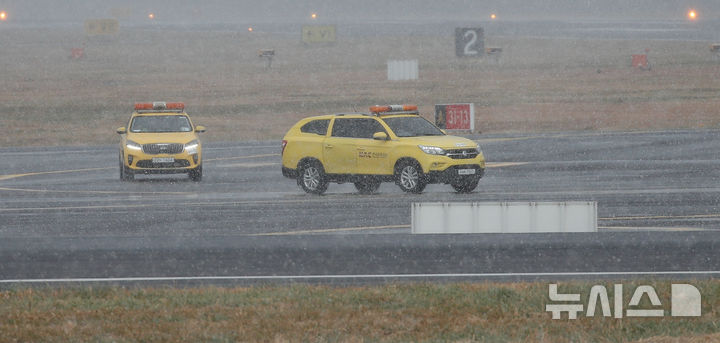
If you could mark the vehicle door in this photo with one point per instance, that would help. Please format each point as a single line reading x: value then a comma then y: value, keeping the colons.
x: 373, y: 155
x: 339, y: 149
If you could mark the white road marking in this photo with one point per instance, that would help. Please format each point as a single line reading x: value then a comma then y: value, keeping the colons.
x: 688, y: 216
x: 301, y: 232
x: 648, y: 228
x: 359, y: 276
x: 611, y: 191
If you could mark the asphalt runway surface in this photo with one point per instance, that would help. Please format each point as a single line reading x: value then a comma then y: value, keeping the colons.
x: 66, y: 217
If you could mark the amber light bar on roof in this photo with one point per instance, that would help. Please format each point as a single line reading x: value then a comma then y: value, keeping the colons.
x: 160, y: 106
x: 394, y: 109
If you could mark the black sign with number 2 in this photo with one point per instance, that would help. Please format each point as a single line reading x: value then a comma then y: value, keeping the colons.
x: 469, y: 42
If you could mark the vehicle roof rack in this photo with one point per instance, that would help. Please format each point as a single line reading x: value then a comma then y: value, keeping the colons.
x: 350, y: 114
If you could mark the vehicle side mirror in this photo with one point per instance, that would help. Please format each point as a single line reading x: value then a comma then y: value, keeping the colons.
x: 380, y: 136
x: 121, y: 130
x: 200, y: 128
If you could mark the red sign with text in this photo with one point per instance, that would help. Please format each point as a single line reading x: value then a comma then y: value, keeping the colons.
x: 457, y: 117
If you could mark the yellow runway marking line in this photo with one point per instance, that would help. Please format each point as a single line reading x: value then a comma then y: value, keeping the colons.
x: 510, y: 139
x: 13, y: 176
x: 167, y: 205
x: 94, y: 207
x: 89, y: 192
x: 302, y: 232
x: 239, y: 157
x: 249, y: 165
x: 504, y: 164
x: 562, y: 135
x: 506, y: 139
x: 7, y: 177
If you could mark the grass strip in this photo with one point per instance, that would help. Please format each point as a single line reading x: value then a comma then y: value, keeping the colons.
x: 419, y: 312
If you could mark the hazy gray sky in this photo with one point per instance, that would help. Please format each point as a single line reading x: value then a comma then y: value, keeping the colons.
x: 355, y: 10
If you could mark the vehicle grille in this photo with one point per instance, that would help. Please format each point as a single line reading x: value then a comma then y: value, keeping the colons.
x: 162, y: 148
x: 461, y: 154
x: 149, y: 164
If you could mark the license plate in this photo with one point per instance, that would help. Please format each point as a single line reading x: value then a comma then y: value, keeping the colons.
x: 163, y: 159
x: 466, y: 171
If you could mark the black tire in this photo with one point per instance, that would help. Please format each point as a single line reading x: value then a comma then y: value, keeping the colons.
x: 465, y: 186
x: 368, y: 185
x: 125, y: 173
x: 311, y: 177
x: 409, y: 177
x: 196, y: 174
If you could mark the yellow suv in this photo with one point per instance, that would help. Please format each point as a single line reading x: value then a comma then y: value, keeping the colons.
x: 393, y: 143
x: 160, y: 139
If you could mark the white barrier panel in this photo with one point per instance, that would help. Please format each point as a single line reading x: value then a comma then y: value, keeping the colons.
x: 504, y: 217
x: 402, y: 70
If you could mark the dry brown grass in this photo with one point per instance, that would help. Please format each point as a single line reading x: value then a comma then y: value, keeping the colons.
x: 389, y: 313
x: 542, y: 84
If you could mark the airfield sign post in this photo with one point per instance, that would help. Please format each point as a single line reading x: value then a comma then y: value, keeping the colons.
x: 101, y: 27
x: 95, y: 29
x: 318, y: 34
x: 494, y: 54
x: 715, y: 50
x: 268, y: 55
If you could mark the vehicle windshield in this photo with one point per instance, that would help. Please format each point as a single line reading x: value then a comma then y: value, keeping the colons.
x: 169, y: 123
x: 412, y: 127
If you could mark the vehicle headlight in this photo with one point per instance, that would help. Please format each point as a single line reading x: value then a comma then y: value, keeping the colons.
x: 432, y: 150
x: 192, y: 147
x: 133, y: 146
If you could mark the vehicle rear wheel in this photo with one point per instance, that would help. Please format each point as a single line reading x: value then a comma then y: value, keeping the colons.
x: 196, y: 174
x: 465, y: 186
x: 125, y: 173
x: 367, y: 185
x: 409, y: 177
x: 311, y: 177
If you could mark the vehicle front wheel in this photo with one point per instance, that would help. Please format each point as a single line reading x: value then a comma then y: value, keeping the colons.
x: 409, y: 176
x: 196, y: 174
x: 311, y: 177
x: 465, y: 186
x: 125, y: 174
x: 368, y: 185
